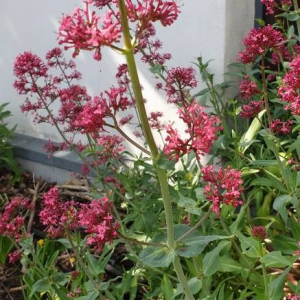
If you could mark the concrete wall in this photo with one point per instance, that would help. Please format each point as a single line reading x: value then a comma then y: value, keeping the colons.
x: 211, y: 28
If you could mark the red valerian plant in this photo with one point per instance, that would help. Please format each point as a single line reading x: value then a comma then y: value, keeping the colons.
x: 253, y: 200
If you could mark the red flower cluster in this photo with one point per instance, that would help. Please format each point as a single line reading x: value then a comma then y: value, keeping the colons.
x: 259, y: 41
x: 56, y: 215
x: 271, y: 5
x: 149, y: 11
x: 12, y: 218
x: 99, y: 222
x: 248, y: 88
x: 155, y: 122
x: 223, y: 186
x: 179, y: 82
x: 259, y: 232
x: 82, y: 31
x: 278, y: 126
x: 150, y: 46
x: 60, y: 216
x: 201, y: 130
x: 102, y: 3
x: 289, y: 91
x: 252, y: 109
x: 78, y: 112
x: 285, y: 53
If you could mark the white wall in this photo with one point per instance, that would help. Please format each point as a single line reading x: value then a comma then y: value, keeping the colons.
x: 211, y: 28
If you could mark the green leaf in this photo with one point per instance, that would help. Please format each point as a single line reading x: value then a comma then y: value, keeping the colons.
x: 227, y: 264
x: 157, y: 256
x: 90, y: 296
x: 280, y: 204
x: 260, y: 22
x: 65, y: 243
x: 295, y: 228
x: 240, y: 220
x: 165, y: 163
x: 186, y: 202
x: 275, y: 259
x: 42, y: 285
x: 285, y: 244
x: 167, y: 288
x: 93, y: 264
x: 211, y: 259
x: 276, y: 286
x: 251, y: 133
x: 194, y: 243
x: 194, y: 284
x: 250, y: 246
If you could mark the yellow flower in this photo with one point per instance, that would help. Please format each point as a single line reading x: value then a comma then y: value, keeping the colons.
x: 189, y: 176
x: 72, y: 260
x: 41, y: 242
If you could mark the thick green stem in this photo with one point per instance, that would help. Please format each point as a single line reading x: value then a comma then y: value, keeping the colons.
x: 161, y: 174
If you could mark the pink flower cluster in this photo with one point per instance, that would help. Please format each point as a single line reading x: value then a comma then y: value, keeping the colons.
x: 149, y: 46
x: 12, y: 218
x: 259, y: 41
x: 102, y: 3
x: 285, y: 53
x: 271, y: 5
x: 95, y: 217
x: 179, y: 82
x: 82, y: 31
x: 201, y: 129
x: 99, y: 222
x: 56, y: 215
x: 155, y: 122
x: 78, y: 112
x: 223, y: 186
x: 278, y: 126
x: 150, y: 11
x: 252, y: 109
x: 248, y: 88
x: 289, y: 91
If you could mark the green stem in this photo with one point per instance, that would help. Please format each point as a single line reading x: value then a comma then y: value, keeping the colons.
x: 264, y: 270
x: 235, y: 246
x: 196, y: 225
x: 265, y: 90
x: 161, y: 174
x: 80, y: 261
x: 182, y: 279
x: 296, y: 6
